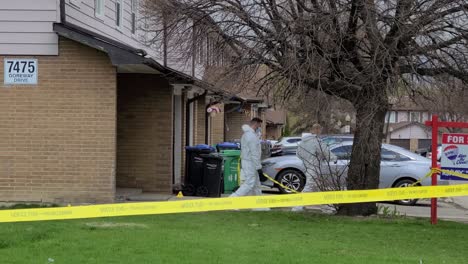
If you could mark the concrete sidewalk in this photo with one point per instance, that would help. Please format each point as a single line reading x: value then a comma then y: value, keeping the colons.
x: 461, y: 201
x: 451, y: 208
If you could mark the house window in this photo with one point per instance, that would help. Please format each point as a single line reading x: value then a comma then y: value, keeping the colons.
x: 134, y: 6
x: 118, y: 12
x: 390, y: 117
x: 99, y: 8
x: 425, y: 117
x: 415, y: 116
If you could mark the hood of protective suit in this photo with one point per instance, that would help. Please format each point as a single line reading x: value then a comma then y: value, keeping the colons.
x: 247, y: 128
x: 311, y: 150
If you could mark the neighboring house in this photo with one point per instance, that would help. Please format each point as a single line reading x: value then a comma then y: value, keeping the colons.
x: 239, y: 113
x: 405, y: 125
x: 409, y: 135
x: 275, y: 122
x: 103, y: 114
x: 405, y: 110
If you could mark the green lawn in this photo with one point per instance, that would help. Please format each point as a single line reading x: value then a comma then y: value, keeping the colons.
x: 234, y: 237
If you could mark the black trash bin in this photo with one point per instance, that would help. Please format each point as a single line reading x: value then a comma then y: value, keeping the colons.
x: 212, y: 184
x: 194, y: 168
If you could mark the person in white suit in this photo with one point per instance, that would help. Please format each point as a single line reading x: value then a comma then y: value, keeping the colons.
x: 251, y: 153
x: 313, y: 153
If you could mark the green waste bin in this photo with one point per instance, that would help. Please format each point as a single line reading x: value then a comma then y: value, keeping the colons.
x: 231, y: 165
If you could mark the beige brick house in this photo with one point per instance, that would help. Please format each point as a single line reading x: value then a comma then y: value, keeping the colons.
x: 104, y: 114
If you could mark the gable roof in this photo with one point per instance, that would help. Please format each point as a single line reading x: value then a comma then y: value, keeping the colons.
x: 401, y: 125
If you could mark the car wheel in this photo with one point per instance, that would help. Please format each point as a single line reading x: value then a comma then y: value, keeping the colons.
x: 405, y: 183
x: 292, y: 179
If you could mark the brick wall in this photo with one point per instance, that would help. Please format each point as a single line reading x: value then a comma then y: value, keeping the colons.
x: 200, y: 121
x: 273, y: 132
x: 234, y: 122
x: 217, y: 127
x: 57, y: 138
x: 144, y: 135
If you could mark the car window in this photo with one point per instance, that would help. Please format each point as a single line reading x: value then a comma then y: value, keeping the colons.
x: 293, y: 140
x: 388, y: 155
x: 330, y: 141
x: 343, y: 152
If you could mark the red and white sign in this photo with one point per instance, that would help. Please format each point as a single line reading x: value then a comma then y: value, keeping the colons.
x: 454, y: 156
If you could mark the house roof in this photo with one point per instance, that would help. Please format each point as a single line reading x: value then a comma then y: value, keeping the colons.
x: 245, y: 88
x: 277, y: 117
x: 129, y: 59
x: 398, y: 126
x: 405, y: 103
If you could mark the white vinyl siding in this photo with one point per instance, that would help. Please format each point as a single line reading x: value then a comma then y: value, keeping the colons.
x: 26, y: 27
x: 85, y: 17
x: 75, y: 2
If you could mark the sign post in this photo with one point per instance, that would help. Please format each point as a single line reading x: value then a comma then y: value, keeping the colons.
x: 435, y: 124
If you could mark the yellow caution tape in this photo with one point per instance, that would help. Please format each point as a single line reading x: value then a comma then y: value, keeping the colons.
x: 264, y: 174
x: 218, y: 204
x: 281, y: 185
x: 437, y: 170
x: 454, y: 173
x: 429, y: 174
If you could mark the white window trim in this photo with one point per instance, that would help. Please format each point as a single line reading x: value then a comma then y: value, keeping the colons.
x: 100, y: 15
x: 119, y: 25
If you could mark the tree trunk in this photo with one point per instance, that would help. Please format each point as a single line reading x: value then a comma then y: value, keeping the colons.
x: 364, y: 169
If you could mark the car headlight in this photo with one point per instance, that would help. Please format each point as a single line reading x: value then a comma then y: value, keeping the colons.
x: 267, y: 164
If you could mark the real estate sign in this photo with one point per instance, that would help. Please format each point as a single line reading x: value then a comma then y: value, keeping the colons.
x: 454, y: 156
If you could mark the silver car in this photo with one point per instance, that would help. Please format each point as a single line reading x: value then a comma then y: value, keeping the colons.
x: 398, y: 168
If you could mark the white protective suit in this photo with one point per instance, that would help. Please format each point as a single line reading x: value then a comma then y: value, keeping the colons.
x: 313, y: 153
x: 251, y: 153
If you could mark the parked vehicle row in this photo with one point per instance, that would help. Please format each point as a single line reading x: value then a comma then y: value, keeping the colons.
x: 399, y: 168
x: 427, y: 152
x: 288, y: 145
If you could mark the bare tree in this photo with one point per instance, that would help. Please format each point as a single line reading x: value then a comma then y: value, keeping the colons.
x: 447, y: 97
x: 328, y: 111
x: 357, y: 50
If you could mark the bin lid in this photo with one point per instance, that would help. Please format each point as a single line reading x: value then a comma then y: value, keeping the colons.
x: 228, y: 145
x: 231, y: 153
x: 200, y: 147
